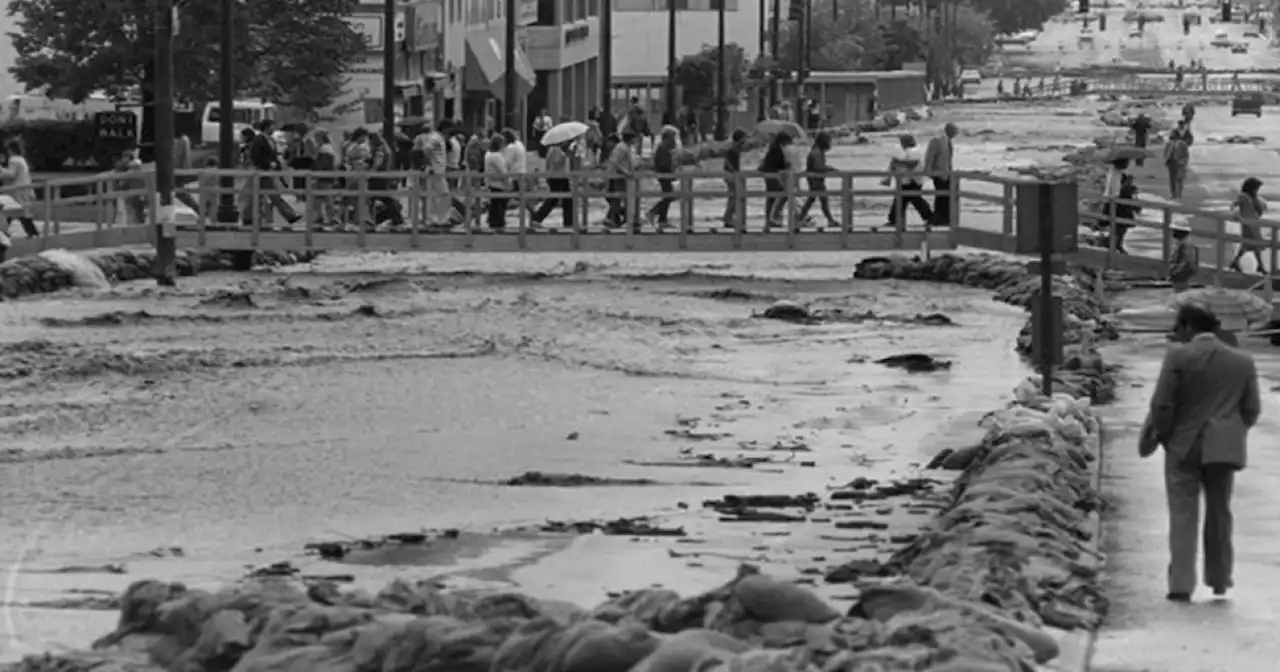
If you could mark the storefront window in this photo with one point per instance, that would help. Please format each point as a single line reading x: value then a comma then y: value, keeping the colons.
x: 546, y: 13
x: 593, y: 7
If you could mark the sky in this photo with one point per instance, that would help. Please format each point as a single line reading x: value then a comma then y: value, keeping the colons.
x: 8, y: 87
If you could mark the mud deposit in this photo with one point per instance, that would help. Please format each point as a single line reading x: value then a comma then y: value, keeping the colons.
x: 245, y: 420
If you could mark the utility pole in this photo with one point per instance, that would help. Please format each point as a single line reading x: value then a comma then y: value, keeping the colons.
x: 802, y: 55
x: 227, y: 211
x: 722, y: 76
x: 510, y: 92
x: 389, y: 73
x: 606, y: 121
x: 669, y: 116
x: 773, y: 48
x: 762, y: 98
x: 165, y: 269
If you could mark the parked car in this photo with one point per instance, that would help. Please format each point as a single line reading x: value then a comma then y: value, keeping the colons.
x: 1249, y: 102
x: 971, y: 77
x: 1253, y: 34
x: 1240, y: 48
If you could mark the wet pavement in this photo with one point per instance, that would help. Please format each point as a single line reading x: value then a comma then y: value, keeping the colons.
x: 1144, y: 632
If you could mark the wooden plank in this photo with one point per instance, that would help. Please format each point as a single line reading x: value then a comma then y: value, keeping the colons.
x: 84, y: 240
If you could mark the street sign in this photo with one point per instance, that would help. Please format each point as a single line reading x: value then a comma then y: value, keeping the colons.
x: 1061, y: 213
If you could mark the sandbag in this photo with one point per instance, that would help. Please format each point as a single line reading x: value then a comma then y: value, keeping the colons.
x: 83, y: 272
x: 769, y: 601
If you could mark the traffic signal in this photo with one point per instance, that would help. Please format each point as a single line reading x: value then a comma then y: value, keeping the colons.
x: 796, y: 11
x: 1084, y: 6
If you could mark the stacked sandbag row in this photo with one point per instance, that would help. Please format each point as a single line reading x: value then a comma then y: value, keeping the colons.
x: 752, y: 623
x: 1082, y: 372
x: 1021, y: 531
x: 51, y: 271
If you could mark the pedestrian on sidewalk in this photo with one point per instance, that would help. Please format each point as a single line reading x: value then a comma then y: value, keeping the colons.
x: 938, y: 164
x: 1184, y: 261
x: 733, y: 166
x: 16, y: 172
x: 1249, y: 207
x: 816, y: 166
x: 1205, y: 401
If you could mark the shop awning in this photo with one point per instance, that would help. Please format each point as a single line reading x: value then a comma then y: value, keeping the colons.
x: 486, y: 67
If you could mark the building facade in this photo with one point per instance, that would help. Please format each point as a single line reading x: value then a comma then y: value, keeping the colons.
x: 564, y: 47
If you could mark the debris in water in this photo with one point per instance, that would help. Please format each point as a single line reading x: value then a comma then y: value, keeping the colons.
x: 861, y: 525
x: 808, y: 501
x: 230, y: 299
x: 743, y: 514
x: 915, y: 363
x: 538, y: 478
x: 704, y: 460
x: 789, y: 311
x: 694, y: 433
x: 866, y: 489
x: 282, y: 568
x: 624, y: 527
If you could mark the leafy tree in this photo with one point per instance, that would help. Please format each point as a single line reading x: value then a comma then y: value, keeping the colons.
x: 697, y: 75
x: 1011, y: 16
x: 292, y: 52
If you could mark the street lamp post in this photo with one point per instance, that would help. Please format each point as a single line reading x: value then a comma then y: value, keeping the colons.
x: 228, y: 213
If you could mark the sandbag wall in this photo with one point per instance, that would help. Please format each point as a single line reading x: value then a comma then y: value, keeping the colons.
x: 1014, y: 551
x: 41, y: 274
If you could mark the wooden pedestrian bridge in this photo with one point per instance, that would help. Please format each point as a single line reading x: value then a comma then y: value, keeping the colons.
x: 337, y: 210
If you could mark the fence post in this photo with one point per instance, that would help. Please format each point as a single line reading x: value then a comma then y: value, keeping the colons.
x: 1219, y: 252
x: 631, y: 211
x: 846, y: 210
x: 789, y: 188
x: 686, y: 210
x: 363, y: 210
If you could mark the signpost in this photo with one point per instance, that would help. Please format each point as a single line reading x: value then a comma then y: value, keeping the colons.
x: 1046, y: 328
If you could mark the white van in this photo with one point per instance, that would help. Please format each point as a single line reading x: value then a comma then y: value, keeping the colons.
x: 245, y: 114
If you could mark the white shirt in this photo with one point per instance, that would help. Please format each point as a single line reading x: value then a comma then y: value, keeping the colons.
x: 1112, y: 187
x: 542, y: 123
x: 514, y: 156
x: 454, y: 155
x: 18, y: 174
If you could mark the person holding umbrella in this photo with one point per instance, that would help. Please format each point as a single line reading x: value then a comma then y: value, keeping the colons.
x: 558, y: 141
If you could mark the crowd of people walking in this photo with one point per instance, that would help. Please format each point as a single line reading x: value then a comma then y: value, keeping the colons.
x: 449, y: 176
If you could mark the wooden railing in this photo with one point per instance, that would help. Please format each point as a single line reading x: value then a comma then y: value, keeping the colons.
x: 102, y: 210
x: 1220, y: 242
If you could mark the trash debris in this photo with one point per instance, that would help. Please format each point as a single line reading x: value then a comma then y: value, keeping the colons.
x: 542, y: 479
x: 915, y: 363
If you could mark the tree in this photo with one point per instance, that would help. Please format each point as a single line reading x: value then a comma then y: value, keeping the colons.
x: 1012, y: 16
x: 697, y: 75
x: 289, y: 51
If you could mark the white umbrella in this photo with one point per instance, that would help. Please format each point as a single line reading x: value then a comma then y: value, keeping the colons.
x: 565, y: 132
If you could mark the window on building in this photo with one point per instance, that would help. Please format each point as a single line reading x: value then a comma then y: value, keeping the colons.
x: 546, y: 13
x: 566, y: 11
x: 580, y: 10
x: 593, y: 7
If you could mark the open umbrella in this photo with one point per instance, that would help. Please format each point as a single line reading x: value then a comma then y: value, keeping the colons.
x: 1236, y: 309
x: 771, y: 127
x: 564, y: 132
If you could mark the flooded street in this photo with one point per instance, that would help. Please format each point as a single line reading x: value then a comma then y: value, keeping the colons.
x: 241, y: 417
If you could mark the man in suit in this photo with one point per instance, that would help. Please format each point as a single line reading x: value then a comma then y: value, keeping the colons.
x: 1204, y: 404
x: 937, y: 164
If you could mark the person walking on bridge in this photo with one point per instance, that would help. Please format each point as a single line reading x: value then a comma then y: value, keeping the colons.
x: 938, y: 164
x: 1177, y: 156
x: 1205, y: 402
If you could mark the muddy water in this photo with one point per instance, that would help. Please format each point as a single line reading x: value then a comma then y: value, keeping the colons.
x: 342, y: 405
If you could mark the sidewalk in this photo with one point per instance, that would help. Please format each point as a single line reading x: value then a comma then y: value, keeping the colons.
x: 1144, y: 632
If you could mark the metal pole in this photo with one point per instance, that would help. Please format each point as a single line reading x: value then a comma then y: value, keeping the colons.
x: 762, y: 98
x: 722, y: 76
x: 606, y: 63
x: 669, y: 117
x: 389, y: 73
x: 773, y: 47
x: 227, y: 211
x: 166, y: 237
x: 509, y: 90
x: 801, y: 48
x: 1047, y: 318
